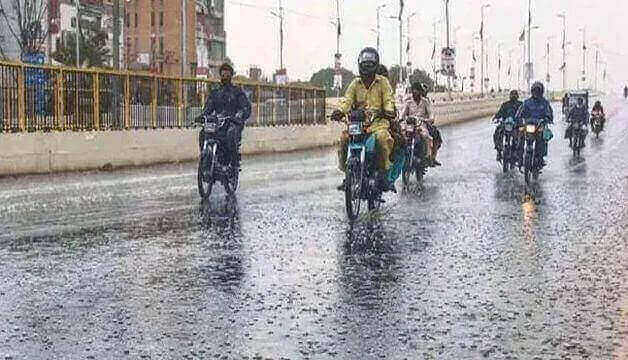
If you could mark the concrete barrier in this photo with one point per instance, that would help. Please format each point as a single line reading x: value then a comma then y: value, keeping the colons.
x: 38, y: 152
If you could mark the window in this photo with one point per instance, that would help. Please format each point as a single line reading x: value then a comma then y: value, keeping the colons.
x: 161, y: 18
x: 152, y: 19
x: 136, y: 20
x: 73, y: 22
x: 126, y: 19
x: 161, y: 44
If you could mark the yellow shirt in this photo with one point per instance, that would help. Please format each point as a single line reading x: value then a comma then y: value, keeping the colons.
x: 378, y: 96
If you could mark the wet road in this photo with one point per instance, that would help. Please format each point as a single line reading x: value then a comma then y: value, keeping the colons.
x: 130, y: 264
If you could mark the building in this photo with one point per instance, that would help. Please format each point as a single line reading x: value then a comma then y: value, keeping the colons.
x: 154, y: 33
x: 210, y: 36
x: 255, y: 73
x: 96, y: 17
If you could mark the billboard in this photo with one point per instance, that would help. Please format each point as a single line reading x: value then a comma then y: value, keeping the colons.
x: 448, y: 61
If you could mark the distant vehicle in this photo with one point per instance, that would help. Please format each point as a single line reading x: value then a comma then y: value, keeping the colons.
x: 573, y: 100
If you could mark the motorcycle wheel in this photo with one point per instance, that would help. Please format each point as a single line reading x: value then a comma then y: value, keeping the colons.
x: 353, y: 187
x: 233, y: 181
x: 505, y: 154
x: 406, y: 174
x: 205, y: 175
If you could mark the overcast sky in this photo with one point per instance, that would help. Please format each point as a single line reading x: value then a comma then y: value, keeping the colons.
x: 310, y: 38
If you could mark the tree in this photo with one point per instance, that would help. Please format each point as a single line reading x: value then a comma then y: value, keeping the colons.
x: 417, y: 75
x: 26, y: 22
x: 92, y: 48
x: 324, y: 78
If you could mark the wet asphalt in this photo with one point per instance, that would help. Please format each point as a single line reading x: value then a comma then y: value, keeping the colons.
x: 131, y: 265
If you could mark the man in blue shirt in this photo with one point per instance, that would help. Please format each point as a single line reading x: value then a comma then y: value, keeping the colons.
x: 227, y: 99
x: 537, y: 108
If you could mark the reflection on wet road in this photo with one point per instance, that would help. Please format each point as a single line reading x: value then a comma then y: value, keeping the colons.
x: 131, y: 264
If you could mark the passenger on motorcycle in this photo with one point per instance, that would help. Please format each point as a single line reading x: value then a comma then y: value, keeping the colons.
x: 578, y: 114
x: 420, y: 108
x: 372, y: 93
x: 538, y: 108
x: 598, y: 107
x: 229, y: 100
x: 507, y: 109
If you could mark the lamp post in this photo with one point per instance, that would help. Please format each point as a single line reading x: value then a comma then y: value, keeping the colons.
x: 379, y: 8
x: 564, y: 64
x: 482, y: 48
x: 584, y: 54
x: 78, y: 31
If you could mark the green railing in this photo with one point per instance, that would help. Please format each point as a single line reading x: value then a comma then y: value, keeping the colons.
x: 42, y: 98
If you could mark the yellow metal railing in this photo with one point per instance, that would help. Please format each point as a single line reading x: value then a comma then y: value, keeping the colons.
x: 44, y: 98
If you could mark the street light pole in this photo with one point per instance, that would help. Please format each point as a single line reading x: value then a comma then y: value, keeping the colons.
x: 184, y: 37
x: 482, y: 48
x: 597, y: 53
x: 564, y: 45
x: 280, y: 16
x: 409, y: 71
x: 584, y: 55
x: 529, y: 64
x: 379, y: 8
x: 78, y: 31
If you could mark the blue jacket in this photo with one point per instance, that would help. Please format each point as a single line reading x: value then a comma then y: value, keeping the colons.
x: 537, y: 109
x: 228, y: 100
x: 578, y: 114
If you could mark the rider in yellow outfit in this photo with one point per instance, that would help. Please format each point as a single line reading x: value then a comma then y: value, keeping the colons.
x: 372, y: 93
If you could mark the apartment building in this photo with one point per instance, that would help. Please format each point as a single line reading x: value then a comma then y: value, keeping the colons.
x: 153, y: 36
x: 210, y: 37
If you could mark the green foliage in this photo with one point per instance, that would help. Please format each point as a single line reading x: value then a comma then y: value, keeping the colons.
x: 92, y: 47
x: 417, y: 75
x: 324, y: 78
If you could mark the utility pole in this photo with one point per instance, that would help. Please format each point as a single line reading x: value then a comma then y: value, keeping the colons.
x: 564, y: 45
x: 401, y: 41
x: 379, y: 8
x: 184, y: 37
x: 116, y: 34
x: 78, y: 32
x: 584, y: 55
x: 447, y: 38
x: 482, y: 48
x: 279, y: 14
x: 338, y: 24
x: 499, y: 66
x: 409, y: 63
x: 597, y: 53
x: 529, y: 64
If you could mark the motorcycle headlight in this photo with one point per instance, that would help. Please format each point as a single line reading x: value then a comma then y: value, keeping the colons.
x: 531, y: 128
x: 355, y: 129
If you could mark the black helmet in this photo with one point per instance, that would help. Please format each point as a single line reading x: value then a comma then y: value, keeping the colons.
x: 514, y: 95
x: 537, y: 89
x: 368, y: 61
x: 226, y: 66
x: 381, y: 70
x: 417, y: 85
x: 598, y: 103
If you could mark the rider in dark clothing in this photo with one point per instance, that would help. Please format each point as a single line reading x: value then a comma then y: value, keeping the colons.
x: 578, y: 114
x: 508, y: 109
x: 598, y: 107
x: 228, y: 100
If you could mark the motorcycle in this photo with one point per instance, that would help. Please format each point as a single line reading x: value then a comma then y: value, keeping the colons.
x: 416, y: 164
x: 509, y: 143
x: 214, y: 164
x: 596, y: 122
x: 361, y: 175
x: 578, y: 134
x: 532, y: 159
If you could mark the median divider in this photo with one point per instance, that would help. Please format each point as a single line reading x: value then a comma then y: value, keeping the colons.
x: 47, y: 152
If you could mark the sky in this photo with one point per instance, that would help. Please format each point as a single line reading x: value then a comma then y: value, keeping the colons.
x: 310, y: 38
